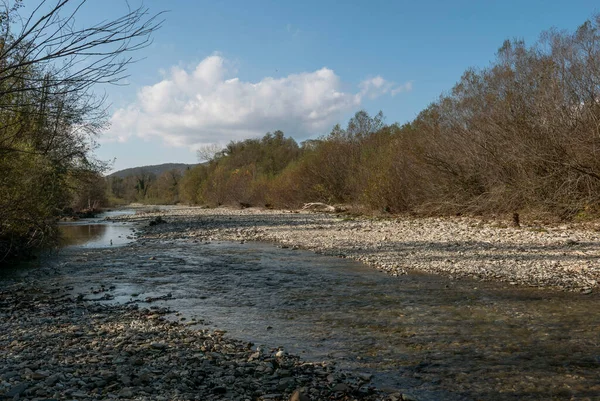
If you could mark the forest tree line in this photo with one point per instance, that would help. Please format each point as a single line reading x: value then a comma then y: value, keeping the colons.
x: 522, y: 135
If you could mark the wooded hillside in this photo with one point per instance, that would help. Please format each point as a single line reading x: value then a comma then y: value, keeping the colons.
x: 156, y: 169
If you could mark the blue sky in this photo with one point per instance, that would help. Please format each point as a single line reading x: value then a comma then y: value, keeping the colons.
x: 228, y: 70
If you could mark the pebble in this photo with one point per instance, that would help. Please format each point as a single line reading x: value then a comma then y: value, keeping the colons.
x: 17, y: 390
x: 534, y: 255
x: 299, y: 396
x: 69, y: 348
x: 94, y: 351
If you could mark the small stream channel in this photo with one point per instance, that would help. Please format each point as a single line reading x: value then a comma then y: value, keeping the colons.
x: 432, y: 337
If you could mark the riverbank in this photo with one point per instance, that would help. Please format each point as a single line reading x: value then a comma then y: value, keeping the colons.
x: 96, y: 319
x: 56, y: 346
x: 561, y: 257
x: 60, y: 342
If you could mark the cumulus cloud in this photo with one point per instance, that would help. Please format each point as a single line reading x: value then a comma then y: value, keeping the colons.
x: 204, y: 105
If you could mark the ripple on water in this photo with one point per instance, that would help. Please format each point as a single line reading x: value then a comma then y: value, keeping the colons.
x: 435, y: 338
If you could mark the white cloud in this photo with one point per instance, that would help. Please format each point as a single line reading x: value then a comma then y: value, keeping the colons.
x: 377, y: 86
x: 406, y: 87
x: 204, y: 105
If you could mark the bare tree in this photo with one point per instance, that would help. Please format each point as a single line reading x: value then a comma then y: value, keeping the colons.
x: 49, y: 113
x: 87, y: 56
x: 49, y: 65
x: 208, y: 152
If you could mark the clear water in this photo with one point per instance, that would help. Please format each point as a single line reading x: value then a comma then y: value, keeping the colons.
x: 97, y: 232
x: 422, y: 334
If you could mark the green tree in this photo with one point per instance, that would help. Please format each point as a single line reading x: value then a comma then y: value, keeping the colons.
x: 191, y: 184
x: 49, y: 114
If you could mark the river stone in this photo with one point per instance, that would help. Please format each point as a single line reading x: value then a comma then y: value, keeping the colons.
x: 299, y: 395
x: 219, y: 390
x: 366, y: 377
x: 125, y: 379
x: 52, y: 380
x: 17, y: 390
x: 39, y: 375
x: 285, y: 383
x: 125, y: 392
x: 341, y: 387
x: 137, y: 362
x: 9, y: 375
x: 107, y: 375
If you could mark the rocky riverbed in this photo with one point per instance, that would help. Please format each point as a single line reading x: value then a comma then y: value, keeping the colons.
x: 55, y: 346
x: 554, y: 256
x: 56, y: 343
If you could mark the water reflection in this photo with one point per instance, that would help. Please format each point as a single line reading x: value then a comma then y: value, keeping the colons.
x: 96, y: 232
x: 80, y: 234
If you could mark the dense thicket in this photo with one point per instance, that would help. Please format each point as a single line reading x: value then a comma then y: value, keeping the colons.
x: 49, y: 114
x: 520, y: 135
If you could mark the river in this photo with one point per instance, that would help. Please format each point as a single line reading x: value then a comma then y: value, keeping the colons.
x: 426, y: 335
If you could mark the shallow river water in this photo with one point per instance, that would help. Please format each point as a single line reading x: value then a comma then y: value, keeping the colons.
x: 96, y: 232
x: 429, y: 336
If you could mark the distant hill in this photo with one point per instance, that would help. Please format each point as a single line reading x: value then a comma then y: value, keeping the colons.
x: 156, y: 169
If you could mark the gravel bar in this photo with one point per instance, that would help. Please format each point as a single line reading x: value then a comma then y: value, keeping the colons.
x: 565, y: 257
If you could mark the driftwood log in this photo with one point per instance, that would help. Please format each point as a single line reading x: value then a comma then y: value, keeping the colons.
x: 319, y: 207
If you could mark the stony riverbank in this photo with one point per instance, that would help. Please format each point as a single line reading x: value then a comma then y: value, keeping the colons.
x: 554, y: 256
x: 55, y: 346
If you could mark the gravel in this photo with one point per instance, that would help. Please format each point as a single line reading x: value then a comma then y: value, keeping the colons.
x: 53, y: 346
x: 561, y: 257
